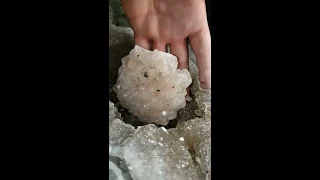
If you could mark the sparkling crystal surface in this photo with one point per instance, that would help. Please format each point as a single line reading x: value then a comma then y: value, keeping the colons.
x: 151, y: 86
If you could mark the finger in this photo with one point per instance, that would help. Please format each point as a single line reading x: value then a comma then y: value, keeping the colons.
x: 201, y: 45
x: 180, y: 49
x: 142, y: 41
x: 161, y: 46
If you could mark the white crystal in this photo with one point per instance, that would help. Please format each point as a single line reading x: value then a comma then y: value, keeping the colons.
x: 197, y: 135
x: 115, y: 172
x: 118, y: 131
x: 169, y: 159
x: 164, y: 85
x: 203, y: 98
x: 113, y: 112
x: 164, y: 129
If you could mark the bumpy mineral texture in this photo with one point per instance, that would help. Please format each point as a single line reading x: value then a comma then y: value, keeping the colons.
x: 116, y: 169
x: 155, y: 153
x: 112, y: 18
x: 197, y: 135
x: 151, y: 86
x: 118, y: 132
x: 203, y: 98
x: 113, y: 113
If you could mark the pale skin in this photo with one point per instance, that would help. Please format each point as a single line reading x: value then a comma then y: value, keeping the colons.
x: 157, y: 23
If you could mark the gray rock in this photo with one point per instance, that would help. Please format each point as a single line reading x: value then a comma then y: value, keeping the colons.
x: 119, y: 13
x: 112, y: 17
x: 121, y: 42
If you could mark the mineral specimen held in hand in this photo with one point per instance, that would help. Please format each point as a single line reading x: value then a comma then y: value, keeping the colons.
x: 197, y: 134
x: 118, y: 131
x: 151, y: 86
x: 155, y: 153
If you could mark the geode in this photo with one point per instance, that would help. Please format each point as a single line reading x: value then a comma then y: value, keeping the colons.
x: 150, y: 86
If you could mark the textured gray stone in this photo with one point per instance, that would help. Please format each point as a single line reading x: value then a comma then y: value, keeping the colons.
x: 121, y: 42
x: 112, y: 17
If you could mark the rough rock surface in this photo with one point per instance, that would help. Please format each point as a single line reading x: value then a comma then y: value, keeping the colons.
x: 118, y: 132
x: 151, y: 86
x: 112, y: 18
x: 203, y: 98
x: 120, y: 44
x: 158, y: 154
x: 117, y: 169
x: 197, y: 134
x: 119, y: 13
x: 113, y: 113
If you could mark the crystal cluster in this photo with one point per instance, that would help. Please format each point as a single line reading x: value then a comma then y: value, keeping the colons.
x: 113, y: 113
x: 203, y: 98
x: 118, y: 131
x: 150, y: 85
x: 197, y: 135
x: 155, y: 153
x: 117, y: 169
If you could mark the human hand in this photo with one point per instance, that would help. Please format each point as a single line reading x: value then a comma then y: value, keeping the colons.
x: 157, y: 23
